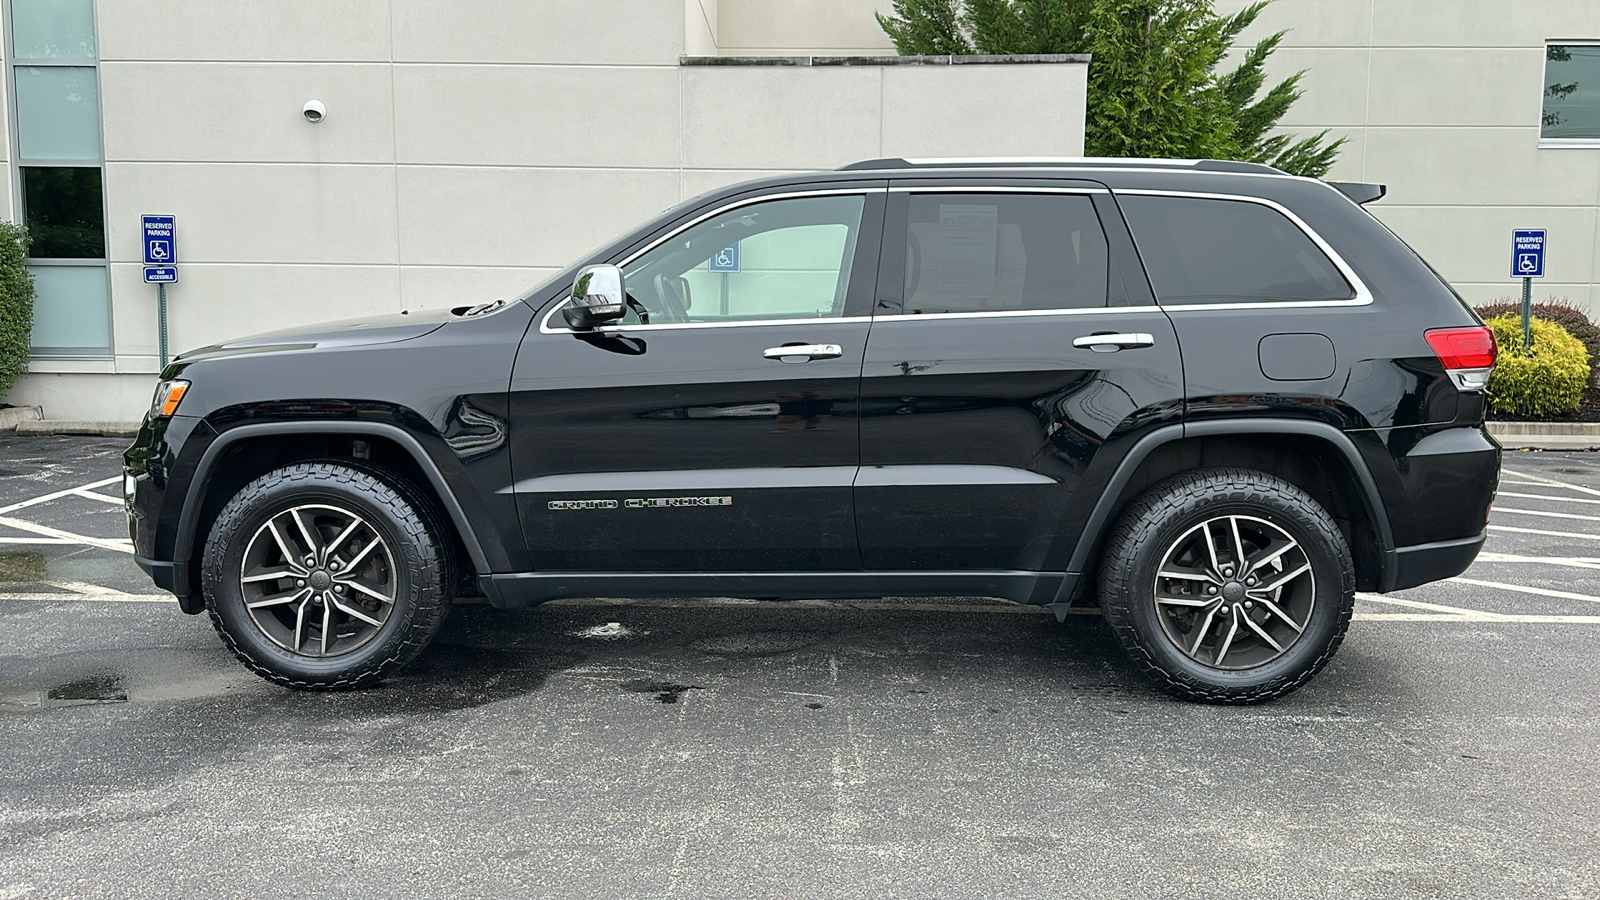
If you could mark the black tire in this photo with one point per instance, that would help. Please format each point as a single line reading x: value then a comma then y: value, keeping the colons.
x: 417, y: 569
x: 1157, y: 523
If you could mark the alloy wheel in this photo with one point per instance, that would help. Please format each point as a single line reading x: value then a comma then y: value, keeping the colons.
x: 1234, y: 592
x: 318, y: 580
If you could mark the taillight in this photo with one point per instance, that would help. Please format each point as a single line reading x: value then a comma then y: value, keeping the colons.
x: 1466, y: 353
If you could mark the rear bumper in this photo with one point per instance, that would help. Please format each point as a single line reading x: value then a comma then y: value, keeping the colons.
x: 1422, y: 563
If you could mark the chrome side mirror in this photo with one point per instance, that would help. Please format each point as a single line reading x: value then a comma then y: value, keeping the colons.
x: 597, y: 298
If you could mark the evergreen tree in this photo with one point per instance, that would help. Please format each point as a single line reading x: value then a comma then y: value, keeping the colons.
x: 1154, y: 89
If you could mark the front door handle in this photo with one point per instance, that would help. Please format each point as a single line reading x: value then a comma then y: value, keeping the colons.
x: 799, y: 353
x: 1111, y: 343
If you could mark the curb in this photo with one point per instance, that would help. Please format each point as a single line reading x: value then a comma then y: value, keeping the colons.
x: 1547, y: 435
x: 13, y: 416
x: 100, y: 429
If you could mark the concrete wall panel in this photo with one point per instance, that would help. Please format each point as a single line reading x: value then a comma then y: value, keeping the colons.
x: 1480, y: 23
x: 1335, y: 85
x: 780, y: 117
x: 593, y: 116
x: 462, y: 216
x: 580, y: 32
x: 1473, y: 244
x: 1000, y: 110
x: 443, y: 287
x: 1415, y: 87
x: 91, y: 397
x: 232, y: 213
x: 311, y: 30
x: 814, y: 27
x: 246, y: 112
x: 1478, y: 166
x: 1315, y: 23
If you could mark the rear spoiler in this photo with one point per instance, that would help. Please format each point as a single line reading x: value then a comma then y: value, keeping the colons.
x: 1359, y: 192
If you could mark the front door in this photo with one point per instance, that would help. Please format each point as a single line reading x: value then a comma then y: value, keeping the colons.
x: 1011, y: 365
x: 715, y: 429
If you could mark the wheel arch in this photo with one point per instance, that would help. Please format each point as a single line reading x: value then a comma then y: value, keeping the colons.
x: 1314, y: 456
x: 279, y: 443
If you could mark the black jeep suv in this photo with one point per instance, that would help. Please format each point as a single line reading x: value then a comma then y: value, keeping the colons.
x: 1214, y: 398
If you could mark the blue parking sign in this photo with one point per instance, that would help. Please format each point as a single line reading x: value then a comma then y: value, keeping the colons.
x: 1527, y: 253
x: 725, y: 260
x: 160, y: 240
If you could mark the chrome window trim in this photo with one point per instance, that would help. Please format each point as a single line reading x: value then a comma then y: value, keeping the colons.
x: 1014, y: 313
x: 1363, y: 296
x: 544, y: 323
x: 993, y: 189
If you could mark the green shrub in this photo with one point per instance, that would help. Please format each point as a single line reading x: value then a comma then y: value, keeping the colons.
x: 1562, y: 312
x: 1543, y: 380
x: 16, y: 305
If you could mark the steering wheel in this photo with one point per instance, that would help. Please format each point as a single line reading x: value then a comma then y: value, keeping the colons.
x: 667, y: 291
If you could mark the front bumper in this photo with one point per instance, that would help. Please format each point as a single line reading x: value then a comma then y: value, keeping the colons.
x: 155, y: 503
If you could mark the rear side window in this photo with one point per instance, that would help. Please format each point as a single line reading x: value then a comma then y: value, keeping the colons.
x: 988, y: 252
x: 1228, y: 251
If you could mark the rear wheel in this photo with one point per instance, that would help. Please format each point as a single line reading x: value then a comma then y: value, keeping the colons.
x: 1227, y: 585
x: 325, y: 575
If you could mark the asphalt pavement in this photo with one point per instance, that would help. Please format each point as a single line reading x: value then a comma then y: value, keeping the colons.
x: 726, y: 748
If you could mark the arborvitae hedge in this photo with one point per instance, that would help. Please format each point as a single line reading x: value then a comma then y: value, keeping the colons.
x: 1546, y: 379
x: 16, y: 304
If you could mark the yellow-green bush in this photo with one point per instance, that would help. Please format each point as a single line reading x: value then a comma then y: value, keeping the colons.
x: 1543, y: 380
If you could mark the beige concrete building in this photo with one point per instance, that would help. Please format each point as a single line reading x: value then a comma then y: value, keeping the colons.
x: 471, y: 147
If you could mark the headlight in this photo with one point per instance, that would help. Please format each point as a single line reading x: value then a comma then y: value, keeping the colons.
x: 168, y: 395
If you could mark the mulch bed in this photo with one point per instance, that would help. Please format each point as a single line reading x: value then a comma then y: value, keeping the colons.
x: 1588, y: 411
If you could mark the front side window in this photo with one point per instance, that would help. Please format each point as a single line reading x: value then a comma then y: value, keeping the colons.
x: 1571, y: 109
x: 995, y: 252
x: 783, y: 259
x: 1198, y: 250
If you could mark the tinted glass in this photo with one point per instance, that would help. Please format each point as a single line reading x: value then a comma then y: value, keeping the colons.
x: 1571, y: 92
x: 989, y: 252
x: 63, y: 212
x: 1228, y: 251
x: 53, y: 29
x: 58, y: 113
x: 786, y: 259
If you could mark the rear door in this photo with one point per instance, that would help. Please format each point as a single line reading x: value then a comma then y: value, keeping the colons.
x: 1010, y: 366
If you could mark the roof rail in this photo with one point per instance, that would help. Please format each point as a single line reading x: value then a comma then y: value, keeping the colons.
x: 1036, y: 162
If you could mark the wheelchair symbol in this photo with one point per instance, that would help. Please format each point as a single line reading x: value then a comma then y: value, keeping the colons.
x: 725, y: 259
x: 160, y: 250
x: 1527, y: 263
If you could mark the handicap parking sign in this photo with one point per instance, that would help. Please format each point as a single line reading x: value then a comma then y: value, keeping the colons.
x: 1527, y: 253
x: 725, y: 260
x: 159, y: 240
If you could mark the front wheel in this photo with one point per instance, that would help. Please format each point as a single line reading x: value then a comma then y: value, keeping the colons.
x: 324, y: 575
x: 1227, y: 585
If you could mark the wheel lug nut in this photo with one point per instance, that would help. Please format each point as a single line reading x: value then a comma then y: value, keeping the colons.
x: 1211, y: 589
x: 299, y: 582
x: 339, y: 588
x: 1251, y: 581
x: 333, y: 566
x: 1249, y: 604
x: 1227, y: 570
x: 311, y: 560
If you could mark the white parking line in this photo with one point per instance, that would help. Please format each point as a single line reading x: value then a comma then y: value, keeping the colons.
x: 1523, y: 589
x: 124, y: 546
x: 1566, y: 534
x: 1462, y: 614
x: 1540, y: 512
x: 103, y: 498
x: 58, y: 495
x: 1552, y: 482
x: 1574, y: 562
x: 1548, y: 497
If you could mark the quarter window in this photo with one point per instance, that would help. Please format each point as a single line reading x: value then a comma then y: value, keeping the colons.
x: 993, y: 252
x: 784, y: 259
x: 1198, y: 250
x: 1571, y: 110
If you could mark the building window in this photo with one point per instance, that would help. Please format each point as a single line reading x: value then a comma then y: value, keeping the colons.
x: 1571, y: 112
x: 57, y: 174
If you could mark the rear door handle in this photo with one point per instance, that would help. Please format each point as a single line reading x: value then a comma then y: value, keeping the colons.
x: 1111, y: 343
x: 799, y: 353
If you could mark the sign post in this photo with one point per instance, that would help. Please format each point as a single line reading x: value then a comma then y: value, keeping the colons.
x: 160, y: 266
x: 1527, y: 263
x: 726, y: 262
